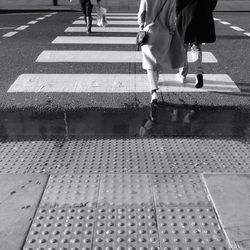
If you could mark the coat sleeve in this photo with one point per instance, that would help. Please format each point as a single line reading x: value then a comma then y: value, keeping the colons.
x: 142, y: 13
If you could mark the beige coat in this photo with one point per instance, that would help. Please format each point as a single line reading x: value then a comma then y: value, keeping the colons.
x: 162, y: 49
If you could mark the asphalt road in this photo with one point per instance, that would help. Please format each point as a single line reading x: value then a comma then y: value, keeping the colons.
x: 19, y: 54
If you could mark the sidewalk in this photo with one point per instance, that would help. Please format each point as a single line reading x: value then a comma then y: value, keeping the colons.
x: 119, y: 5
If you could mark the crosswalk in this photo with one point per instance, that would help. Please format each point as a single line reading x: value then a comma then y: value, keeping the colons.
x: 120, y: 25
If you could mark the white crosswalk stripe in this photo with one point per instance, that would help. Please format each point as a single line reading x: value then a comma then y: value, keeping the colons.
x: 104, y: 30
x: 110, y: 22
x: 104, y: 56
x: 97, y: 39
x: 119, y: 14
x: 117, y: 17
x: 116, y: 83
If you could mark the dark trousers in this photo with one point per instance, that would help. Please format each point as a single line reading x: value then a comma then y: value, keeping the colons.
x: 86, y: 8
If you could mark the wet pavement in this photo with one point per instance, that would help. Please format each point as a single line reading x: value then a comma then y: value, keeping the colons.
x: 153, y: 121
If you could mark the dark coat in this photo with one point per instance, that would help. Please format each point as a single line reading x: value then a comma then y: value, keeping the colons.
x: 195, y: 20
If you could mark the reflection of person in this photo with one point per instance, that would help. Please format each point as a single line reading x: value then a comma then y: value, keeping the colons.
x: 149, y: 123
x: 158, y: 17
x: 87, y: 7
x: 196, y: 26
x: 186, y: 118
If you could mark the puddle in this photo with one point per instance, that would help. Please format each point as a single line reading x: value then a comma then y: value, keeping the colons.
x: 156, y: 121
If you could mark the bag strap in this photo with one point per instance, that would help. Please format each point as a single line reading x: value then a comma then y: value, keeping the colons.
x: 160, y: 11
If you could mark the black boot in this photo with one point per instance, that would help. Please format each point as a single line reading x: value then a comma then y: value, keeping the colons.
x: 199, y: 81
x: 89, y: 24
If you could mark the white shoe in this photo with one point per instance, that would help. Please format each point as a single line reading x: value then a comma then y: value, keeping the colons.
x: 180, y: 78
x: 154, y: 97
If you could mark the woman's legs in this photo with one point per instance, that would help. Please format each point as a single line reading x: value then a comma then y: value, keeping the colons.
x: 181, y: 76
x: 153, y: 76
x: 196, y: 53
x: 87, y: 10
x: 89, y: 7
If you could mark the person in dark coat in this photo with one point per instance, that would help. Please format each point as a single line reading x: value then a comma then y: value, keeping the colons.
x: 196, y: 26
x: 87, y: 7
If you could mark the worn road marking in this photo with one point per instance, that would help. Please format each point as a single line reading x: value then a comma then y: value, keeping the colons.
x: 104, y: 56
x: 117, y: 83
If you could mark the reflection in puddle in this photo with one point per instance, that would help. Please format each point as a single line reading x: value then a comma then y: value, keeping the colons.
x: 155, y: 121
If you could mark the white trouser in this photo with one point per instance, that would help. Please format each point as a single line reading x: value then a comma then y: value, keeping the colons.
x: 153, y: 77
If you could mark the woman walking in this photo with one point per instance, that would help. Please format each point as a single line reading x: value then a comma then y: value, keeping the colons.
x: 87, y: 7
x: 196, y: 26
x: 163, y: 48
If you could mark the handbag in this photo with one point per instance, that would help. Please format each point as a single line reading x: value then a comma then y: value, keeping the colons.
x: 142, y: 35
x: 141, y: 38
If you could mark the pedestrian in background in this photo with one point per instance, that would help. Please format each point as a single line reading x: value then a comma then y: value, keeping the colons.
x: 196, y: 26
x: 87, y: 7
x: 164, y: 47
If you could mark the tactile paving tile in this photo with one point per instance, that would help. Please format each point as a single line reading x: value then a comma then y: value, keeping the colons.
x: 126, y: 189
x: 18, y: 156
x: 231, y: 155
x: 73, y: 190
x: 126, y: 155
x: 179, y: 190
x: 61, y: 228
x: 189, y: 228
x: 130, y: 227
x: 109, y: 227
